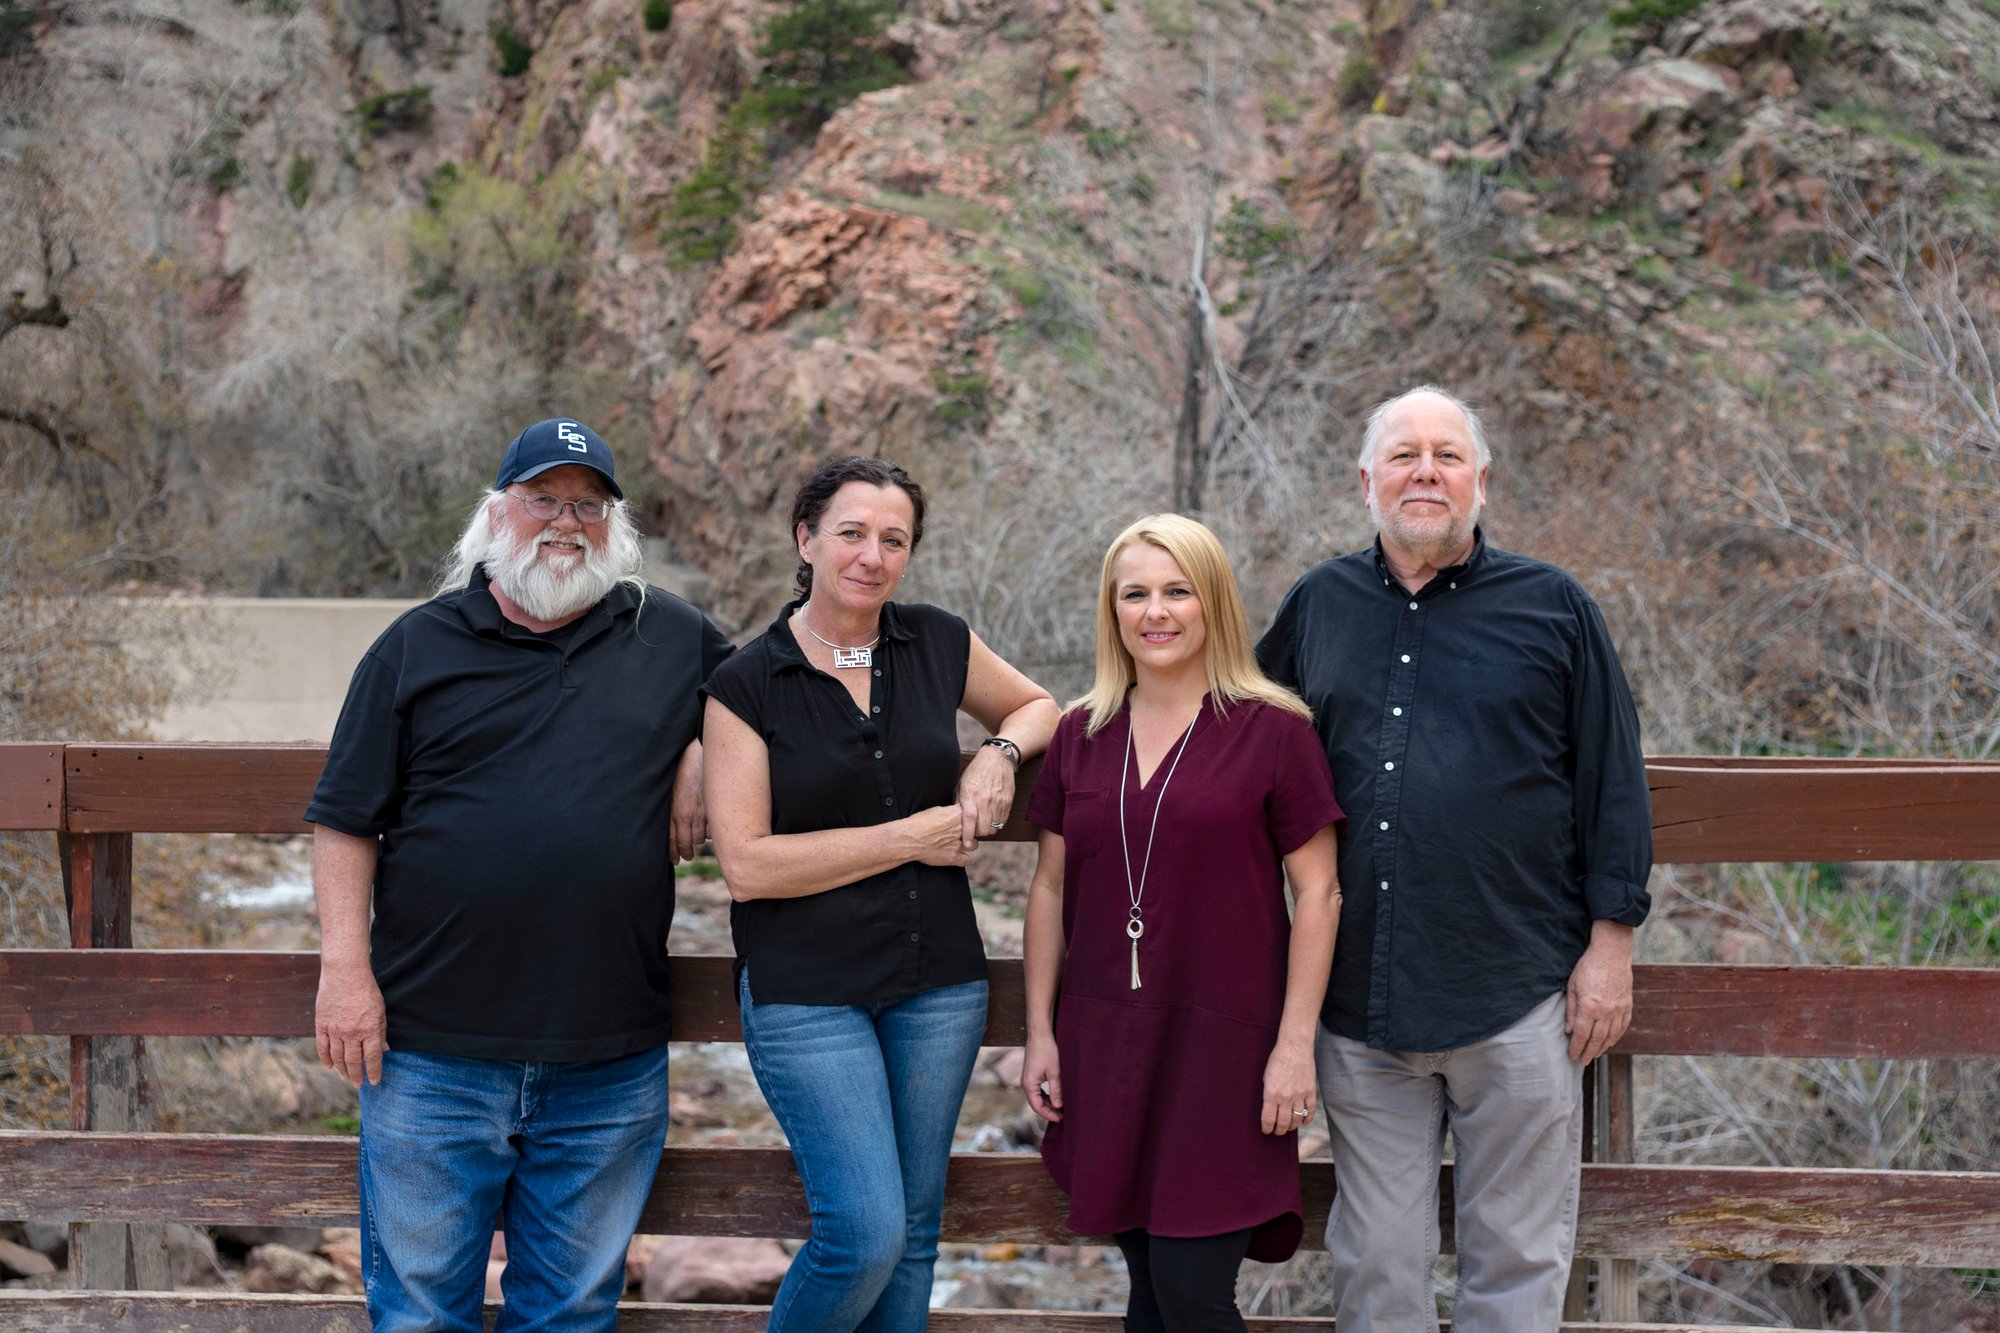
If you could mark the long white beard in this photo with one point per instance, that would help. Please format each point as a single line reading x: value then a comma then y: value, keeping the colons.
x: 545, y: 591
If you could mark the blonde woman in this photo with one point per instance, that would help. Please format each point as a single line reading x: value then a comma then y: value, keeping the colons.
x: 1176, y: 799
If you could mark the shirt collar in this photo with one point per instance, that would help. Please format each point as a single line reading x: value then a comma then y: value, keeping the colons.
x: 785, y: 650
x: 1450, y: 574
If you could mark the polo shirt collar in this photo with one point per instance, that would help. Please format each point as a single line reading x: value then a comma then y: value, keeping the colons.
x: 1449, y: 574
x: 785, y: 650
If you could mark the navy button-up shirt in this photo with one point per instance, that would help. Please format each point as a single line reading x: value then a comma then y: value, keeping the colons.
x: 1486, y: 749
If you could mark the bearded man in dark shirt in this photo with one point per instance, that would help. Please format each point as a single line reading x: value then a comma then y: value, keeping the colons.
x: 514, y: 774
x: 1495, y: 858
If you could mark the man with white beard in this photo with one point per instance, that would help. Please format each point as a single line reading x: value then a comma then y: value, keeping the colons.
x: 1494, y: 864
x: 514, y: 774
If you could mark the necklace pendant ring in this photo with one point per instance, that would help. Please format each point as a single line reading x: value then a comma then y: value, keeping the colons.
x: 1135, y: 928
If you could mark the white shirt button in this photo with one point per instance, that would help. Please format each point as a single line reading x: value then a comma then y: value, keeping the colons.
x: 1406, y: 657
x: 1413, y: 606
x: 1397, y: 711
x: 1385, y: 886
x: 1390, y: 764
x: 1385, y: 826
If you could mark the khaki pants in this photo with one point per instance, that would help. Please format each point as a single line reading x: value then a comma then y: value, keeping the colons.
x: 1514, y: 1104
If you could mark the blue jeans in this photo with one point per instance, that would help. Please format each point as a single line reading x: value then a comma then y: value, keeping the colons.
x: 868, y: 1096
x: 561, y: 1156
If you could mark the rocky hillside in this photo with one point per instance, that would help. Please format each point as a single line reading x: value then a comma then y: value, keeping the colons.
x: 1067, y: 259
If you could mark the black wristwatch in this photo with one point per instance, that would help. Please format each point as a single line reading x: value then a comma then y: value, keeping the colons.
x: 1006, y: 747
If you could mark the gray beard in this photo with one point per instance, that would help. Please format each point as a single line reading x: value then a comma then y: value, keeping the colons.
x: 1428, y: 540
x: 545, y: 594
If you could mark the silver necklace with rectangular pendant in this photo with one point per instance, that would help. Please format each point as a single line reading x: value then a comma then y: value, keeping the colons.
x: 843, y: 658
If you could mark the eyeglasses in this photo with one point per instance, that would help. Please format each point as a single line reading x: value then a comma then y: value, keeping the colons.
x: 546, y: 508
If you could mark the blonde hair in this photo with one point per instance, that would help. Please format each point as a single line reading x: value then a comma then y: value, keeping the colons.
x: 1233, y: 674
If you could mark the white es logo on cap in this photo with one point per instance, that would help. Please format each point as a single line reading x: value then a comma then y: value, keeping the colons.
x: 567, y: 431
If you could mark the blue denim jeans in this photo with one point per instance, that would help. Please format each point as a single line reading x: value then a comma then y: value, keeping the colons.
x: 868, y: 1096
x: 560, y: 1156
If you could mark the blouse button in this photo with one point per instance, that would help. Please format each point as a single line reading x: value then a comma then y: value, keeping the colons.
x: 878, y: 754
x: 888, y: 800
x: 1406, y: 657
x: 878, y: 671
x: 913, y: 893
x: 1397, y: 711
x: 1385, y: 826
x: 913, y: 937
x: 876, y: 709
x: 1413, y: 606
x: 1390, y: 764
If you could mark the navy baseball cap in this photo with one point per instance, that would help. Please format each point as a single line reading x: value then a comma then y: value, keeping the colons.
x: 553, y: 443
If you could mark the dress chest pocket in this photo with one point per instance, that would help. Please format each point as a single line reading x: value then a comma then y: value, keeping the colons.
x: 1085, y: 817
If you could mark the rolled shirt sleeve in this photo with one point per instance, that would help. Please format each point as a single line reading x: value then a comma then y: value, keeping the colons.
x: 1613, y: 808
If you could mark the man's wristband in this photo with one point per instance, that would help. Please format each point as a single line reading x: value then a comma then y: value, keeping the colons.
x: 1006, y: 747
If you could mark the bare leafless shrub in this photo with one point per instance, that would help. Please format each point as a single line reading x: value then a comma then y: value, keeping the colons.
x: 1877, y: 546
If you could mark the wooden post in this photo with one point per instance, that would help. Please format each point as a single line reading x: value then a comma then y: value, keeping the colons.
x: 1576, y: 1297
x: 1617, y: 1279
x: 107, y: 1075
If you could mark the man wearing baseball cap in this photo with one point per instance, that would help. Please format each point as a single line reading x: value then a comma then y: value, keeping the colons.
x: 514, y: 774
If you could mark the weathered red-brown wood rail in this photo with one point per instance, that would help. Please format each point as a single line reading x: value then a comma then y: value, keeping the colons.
x: 1939, y: 1219
x: 113, y: 1181
x: 1862, y: 1012
x: 1705, y: 809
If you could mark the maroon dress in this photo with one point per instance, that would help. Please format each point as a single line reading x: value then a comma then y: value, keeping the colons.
x: 1163, y: 1086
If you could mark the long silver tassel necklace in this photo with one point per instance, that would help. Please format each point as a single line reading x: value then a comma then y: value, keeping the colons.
x: 1135, y: 925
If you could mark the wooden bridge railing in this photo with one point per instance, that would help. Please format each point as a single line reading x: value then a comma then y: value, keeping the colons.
x: 116, y: 1183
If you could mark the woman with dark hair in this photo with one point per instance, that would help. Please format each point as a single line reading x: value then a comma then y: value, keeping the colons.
x: 844, y: 826
x: 1177, y: 799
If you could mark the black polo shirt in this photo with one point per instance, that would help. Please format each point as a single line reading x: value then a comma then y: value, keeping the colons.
x: 520, y: 786
x: 906, y: 930
x: 1486, y: 749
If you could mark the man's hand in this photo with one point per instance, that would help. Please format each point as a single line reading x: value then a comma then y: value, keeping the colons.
x: 688, y: 817
x: 1599, y: 1002
x: 349, y: 1025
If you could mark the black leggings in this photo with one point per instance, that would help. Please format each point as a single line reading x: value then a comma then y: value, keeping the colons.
x: 1183, y: 1284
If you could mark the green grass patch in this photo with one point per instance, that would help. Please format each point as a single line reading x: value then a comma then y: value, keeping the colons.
x: 1106, y: 144
x: 1654, y: 271
x: 398, y: 109
x: 1651, y: 13
x: 943, y: 210
x: 963, y: 399
x: 1170, y: 20
x: 602, y: 81
x: 1360, y: 77
x: 299, y: 178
